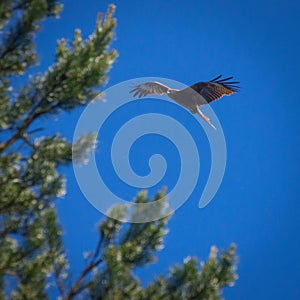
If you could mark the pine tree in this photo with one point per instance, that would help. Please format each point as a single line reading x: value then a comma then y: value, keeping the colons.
x: 31, y: 245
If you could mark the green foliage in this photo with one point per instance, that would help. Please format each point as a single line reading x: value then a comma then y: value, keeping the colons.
x: 31, y: 248
x: 21, y: 18
x: 188, y: 282
x: 122, y: 248
x: 32, y: 254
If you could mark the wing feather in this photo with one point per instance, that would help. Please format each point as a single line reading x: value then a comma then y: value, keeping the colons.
x: 216, y: 88
x: 148, y: 88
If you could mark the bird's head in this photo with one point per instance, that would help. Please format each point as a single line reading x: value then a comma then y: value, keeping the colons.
x: 170, y: 91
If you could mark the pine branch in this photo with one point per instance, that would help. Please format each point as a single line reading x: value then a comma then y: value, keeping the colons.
x: 76, y: 288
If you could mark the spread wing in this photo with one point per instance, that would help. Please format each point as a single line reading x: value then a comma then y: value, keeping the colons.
x: 147, y: 88
x: 215, y: 88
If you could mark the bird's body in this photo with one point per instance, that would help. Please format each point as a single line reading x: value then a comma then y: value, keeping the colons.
x: 191, y: 97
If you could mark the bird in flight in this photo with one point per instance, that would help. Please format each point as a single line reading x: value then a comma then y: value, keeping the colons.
x: 193, y: 96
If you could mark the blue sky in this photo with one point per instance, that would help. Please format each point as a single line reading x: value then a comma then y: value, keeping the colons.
x: 257, y: 205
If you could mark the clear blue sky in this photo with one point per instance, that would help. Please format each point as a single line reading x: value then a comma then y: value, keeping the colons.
x: 257, y: 205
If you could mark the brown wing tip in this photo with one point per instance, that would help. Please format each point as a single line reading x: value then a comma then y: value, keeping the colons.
x: 137, y: 92
x: 231, y: 85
